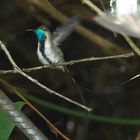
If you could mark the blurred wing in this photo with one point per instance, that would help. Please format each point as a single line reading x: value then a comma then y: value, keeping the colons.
x: 62, y: 32
x: 128, y: 24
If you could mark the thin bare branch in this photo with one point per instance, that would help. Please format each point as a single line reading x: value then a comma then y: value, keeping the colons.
x: 72, y: 62
x: 38, y: 83
x: 132, y: 44
x: 93, y: 6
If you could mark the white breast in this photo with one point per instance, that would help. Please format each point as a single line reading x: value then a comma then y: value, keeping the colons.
x: 53, y: 53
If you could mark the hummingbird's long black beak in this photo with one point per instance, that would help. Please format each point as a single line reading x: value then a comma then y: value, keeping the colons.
x: 30, y: 30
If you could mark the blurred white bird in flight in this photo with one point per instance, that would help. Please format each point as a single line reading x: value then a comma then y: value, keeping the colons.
x: 123, y: 18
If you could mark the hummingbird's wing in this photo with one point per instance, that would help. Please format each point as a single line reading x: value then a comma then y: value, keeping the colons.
x: 127, y: 24
x: 62, y: 32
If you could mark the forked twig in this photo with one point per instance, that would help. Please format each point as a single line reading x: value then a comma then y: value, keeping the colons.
x: 16, y: 68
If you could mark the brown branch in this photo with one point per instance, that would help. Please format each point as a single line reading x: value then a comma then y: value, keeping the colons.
x: 132, y: 45
x: 16, y: 68
x: 51, y: 126
x: 72, y: 62
x: 92, y: 6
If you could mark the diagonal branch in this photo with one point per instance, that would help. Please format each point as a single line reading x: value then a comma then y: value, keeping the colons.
x: 20, y: 119
x: 50, y: 125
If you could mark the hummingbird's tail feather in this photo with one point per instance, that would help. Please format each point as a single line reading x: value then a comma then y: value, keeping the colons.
x: 76, y: 86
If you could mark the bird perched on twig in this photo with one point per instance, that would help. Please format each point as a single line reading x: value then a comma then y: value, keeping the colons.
x: 48, y: 51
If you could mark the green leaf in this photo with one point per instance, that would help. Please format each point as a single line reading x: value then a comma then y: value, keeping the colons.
x: 6, y: 124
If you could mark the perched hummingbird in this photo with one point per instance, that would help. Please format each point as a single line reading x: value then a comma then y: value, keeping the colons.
x: 48, y: 51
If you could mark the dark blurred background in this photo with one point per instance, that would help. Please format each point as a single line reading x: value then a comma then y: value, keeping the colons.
x: 96, y: 78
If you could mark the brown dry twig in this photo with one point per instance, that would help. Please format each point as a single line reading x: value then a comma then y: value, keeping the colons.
x: 127, y: 55
x: 51, y: 126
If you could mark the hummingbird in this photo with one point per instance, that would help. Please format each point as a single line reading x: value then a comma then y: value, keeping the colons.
x: 48, y: 50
